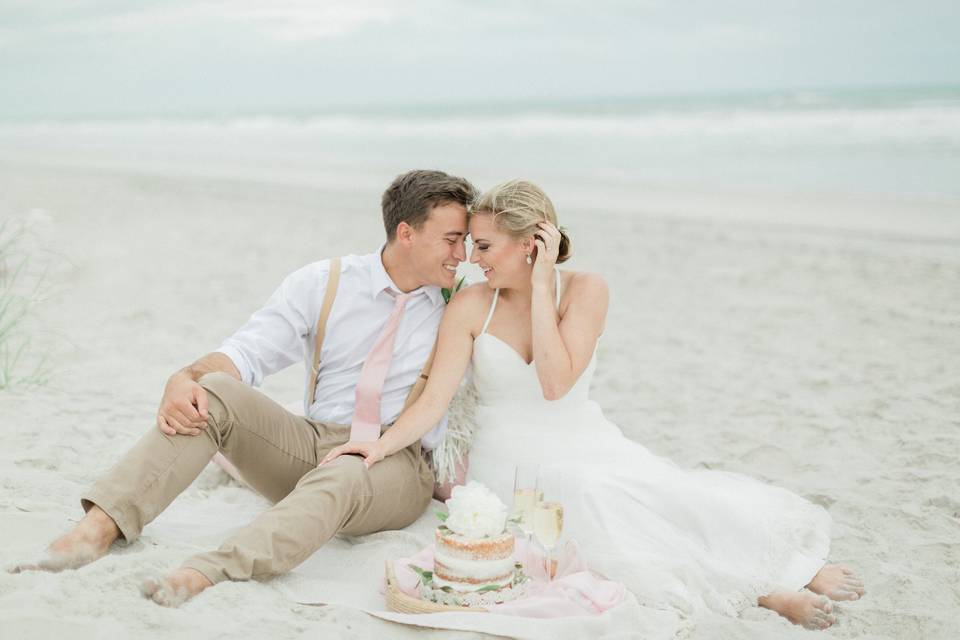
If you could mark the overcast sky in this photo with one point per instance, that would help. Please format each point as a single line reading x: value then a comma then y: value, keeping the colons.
x: 103, y: 58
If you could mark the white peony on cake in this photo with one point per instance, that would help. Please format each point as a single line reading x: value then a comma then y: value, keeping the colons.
x: 473, y: 557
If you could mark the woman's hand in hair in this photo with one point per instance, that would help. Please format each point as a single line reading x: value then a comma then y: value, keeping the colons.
x: 547, y: 240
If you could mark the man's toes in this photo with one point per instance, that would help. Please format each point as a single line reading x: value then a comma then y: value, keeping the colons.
x: 169, y: 596
x: 149, y: 587
x: 42, y: 563
x: 157, y: 590
x: 162, y: 597
x: 165, y: 594
x: 818, y: 624
x: 821, y: 621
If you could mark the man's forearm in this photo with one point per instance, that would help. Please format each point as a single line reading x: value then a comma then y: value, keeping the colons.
x: 211, y: 363
x: 413, y: 424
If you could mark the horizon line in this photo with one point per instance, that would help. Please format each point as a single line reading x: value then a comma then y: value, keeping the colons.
x: 466, y: 105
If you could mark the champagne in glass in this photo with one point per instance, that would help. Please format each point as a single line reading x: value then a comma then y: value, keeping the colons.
x: 526, y: 494
x: 548, y: 524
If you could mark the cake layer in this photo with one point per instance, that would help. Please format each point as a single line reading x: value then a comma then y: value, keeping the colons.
x: 453, y: 545
x: 458, y: 567
x: 458, y: 585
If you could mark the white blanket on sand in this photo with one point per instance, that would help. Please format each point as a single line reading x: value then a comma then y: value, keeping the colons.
x: 349, y: 572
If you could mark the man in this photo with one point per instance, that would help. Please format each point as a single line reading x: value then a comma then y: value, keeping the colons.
x: 379, y: 333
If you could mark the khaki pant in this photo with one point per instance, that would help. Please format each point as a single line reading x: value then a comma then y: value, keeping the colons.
x: 277, y: 453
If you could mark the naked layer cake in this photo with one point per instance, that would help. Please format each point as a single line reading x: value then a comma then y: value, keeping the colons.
x: 467, y: 564
x: 473, y: 556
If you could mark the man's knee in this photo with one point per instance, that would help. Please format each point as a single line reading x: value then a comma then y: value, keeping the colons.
x: 223, y: 392
x: 338, y: 490
x: 348, y: 474
x: 218, y: 381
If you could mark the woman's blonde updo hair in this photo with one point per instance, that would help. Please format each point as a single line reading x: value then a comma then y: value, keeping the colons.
x: 517, y: 206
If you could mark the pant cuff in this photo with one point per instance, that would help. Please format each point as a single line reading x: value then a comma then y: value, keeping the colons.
x: 124, y: 522
x: 210, y: 571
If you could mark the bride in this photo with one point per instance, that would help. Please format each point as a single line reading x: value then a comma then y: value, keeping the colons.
x: 684, y: 539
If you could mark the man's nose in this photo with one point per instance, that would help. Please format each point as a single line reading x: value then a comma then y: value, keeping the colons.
x: 460, y: 251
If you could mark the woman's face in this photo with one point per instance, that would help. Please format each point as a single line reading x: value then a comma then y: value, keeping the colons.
x: 502, y: 257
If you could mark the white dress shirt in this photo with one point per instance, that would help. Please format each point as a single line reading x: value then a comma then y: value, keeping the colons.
x: 284, y: 330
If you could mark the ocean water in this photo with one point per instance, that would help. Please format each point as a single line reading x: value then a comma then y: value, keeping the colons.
x: 892, y: 145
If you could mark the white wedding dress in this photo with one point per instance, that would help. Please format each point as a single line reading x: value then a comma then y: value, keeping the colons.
x: 677, y: 538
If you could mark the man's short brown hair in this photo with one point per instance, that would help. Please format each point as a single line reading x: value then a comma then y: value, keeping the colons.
x: 412, y: 195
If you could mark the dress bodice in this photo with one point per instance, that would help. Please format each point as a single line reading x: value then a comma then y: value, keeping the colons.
x: 501, y: 375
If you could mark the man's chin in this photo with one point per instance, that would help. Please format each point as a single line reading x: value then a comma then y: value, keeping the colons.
x: 443, y: 283
x: 448, y: 280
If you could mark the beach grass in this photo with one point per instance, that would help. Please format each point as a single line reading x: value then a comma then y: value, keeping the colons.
x: 19, y: 294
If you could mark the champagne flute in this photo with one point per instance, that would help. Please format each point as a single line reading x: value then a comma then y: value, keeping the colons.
x: 548, y: 527
x: 526, y: 494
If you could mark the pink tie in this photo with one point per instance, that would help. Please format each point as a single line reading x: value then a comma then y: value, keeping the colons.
x: 366, y: 411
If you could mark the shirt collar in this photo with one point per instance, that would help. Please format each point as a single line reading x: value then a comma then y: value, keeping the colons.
x: 380, y: 280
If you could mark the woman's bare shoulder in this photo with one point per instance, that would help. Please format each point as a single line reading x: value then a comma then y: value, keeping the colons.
x: 585, y: 283
x: 476, y: 293
x: 471, y: 300
x: 468, y: 306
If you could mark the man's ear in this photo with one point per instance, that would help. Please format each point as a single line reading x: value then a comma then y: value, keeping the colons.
x: 405, y: 233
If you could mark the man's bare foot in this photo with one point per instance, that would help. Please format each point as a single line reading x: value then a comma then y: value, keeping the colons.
x: 837, y: 583
x: 86, y: 542
x: 809, y: 610
x: 176, y: 588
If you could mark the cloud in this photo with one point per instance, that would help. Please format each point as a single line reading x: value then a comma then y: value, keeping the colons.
x: 284, y: 20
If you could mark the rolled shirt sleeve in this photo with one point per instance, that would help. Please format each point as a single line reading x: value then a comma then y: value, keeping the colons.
x: 276, y: 335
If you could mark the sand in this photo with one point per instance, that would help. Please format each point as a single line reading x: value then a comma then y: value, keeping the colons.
x: 817, y: 357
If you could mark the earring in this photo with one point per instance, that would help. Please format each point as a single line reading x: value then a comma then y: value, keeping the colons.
x: 529, y: 259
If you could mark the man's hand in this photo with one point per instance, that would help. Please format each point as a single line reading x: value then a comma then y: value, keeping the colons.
x: 183, y: 408
x: 372, y: 452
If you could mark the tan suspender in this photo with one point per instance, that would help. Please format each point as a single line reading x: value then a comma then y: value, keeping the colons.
x: 421, y: 382
x: 332, y: 281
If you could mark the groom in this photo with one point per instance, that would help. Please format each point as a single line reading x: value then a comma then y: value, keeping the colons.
x: 379, y: 333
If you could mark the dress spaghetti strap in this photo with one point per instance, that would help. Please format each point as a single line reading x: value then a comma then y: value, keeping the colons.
x: 493, y: 305
x: 496, y: 295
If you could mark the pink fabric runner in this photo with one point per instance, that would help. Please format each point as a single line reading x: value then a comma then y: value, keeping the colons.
x: 575, y: 591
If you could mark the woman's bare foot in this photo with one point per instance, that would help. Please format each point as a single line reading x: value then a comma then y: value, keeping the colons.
x: 837, y: 583
x: 86, y: 542
x: 176, y: 588
x: 809, y: 610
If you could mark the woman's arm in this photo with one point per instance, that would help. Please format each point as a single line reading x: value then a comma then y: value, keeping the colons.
x: 562, y: 348
x: 454, y: 348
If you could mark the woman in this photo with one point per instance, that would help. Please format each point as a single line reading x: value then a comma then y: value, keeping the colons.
x: 689, y: 539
